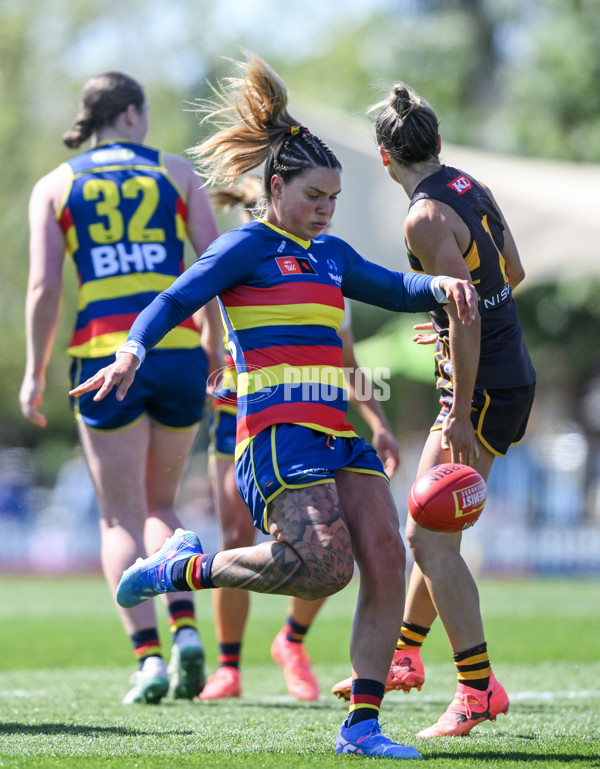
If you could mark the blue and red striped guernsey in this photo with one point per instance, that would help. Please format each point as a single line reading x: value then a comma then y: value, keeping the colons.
x: 282, y: 335
x: 124, y: 222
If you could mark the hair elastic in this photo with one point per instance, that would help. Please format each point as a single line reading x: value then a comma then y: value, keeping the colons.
x: 294, y: 130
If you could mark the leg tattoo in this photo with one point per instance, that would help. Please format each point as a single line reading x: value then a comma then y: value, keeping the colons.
x: 310, y: 557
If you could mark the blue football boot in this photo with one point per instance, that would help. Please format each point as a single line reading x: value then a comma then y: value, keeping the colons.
x: 151, y: 576
x: 365, y: 738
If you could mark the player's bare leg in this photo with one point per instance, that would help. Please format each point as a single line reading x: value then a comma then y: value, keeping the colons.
x: 380, y: 556
x: 137, y: 512
x: 453, y: 593
x: 230, y: 606
x: 439, y: 567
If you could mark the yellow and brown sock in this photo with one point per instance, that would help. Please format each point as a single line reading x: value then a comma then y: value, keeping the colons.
x: 473, y: 667
x: 411, y: 636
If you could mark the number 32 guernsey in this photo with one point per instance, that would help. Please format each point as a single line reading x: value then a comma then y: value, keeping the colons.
x: 124, y: 222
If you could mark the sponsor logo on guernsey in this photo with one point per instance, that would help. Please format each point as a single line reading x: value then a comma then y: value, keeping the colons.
x: 499, y: 299
x: 117, y: 260
x: 461, y: 184
x: 112, y: 156
x: 295, y: 265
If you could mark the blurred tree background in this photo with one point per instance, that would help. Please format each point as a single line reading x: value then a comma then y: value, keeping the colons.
x: 513, y: 76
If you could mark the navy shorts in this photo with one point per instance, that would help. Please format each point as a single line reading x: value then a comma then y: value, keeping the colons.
x: 221, y: 432
x: 499, y: 416
x: 291, y: 456
x: 169, y: 387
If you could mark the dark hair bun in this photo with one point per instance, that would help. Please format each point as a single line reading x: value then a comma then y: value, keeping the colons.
x: 401, y: 99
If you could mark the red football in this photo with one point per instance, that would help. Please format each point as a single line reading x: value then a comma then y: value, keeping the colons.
x: 448, y: 497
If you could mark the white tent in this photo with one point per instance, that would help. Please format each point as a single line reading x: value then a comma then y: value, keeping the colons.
x: 553, y: 208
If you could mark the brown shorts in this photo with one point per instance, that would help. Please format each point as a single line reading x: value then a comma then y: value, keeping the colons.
x: 499, y: 416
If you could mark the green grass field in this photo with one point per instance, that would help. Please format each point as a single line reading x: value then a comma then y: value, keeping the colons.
x: 65, y: 663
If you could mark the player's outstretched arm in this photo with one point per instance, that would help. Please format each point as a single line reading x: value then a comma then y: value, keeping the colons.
x: 119, y: 374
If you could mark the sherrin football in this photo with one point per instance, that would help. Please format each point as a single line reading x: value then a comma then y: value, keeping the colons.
x: 448, y: 497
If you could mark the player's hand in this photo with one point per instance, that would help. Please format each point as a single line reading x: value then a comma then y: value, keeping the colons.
x: 424, y: 338
x: 459, y: 437
x: 31, y: 397
x: 388, y: 450
x: 464, y: 295
x: 119, y: 374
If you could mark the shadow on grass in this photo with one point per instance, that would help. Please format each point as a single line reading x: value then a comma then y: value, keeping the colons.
x: 14, y: 727
x: 517, y: 755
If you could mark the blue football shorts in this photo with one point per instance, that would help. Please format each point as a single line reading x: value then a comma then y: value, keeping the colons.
x: 169, y: 387
x: 499, y: 416
x: 288, y: 456
x: 221, y: 432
